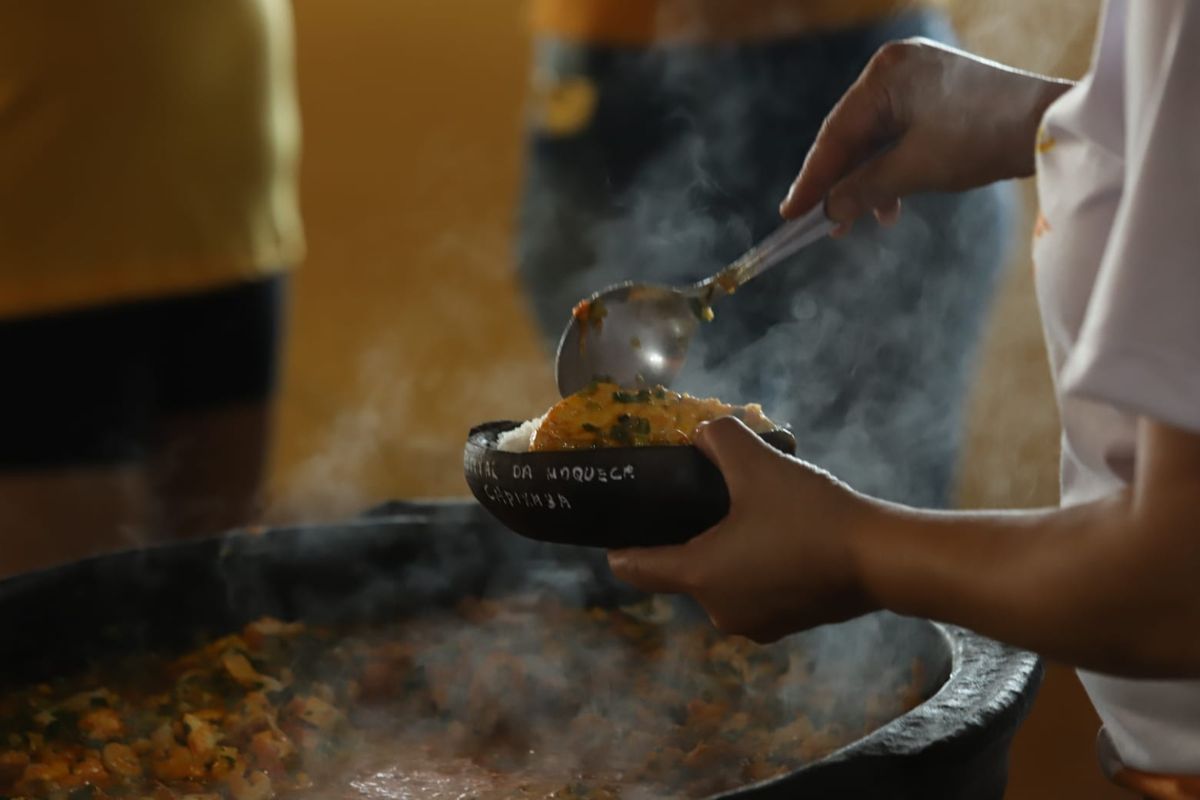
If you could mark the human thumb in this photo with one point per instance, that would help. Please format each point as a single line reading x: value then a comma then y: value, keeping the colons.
x: 733, y: 448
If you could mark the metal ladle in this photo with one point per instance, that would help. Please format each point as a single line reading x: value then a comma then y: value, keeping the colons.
x: 638, y: 334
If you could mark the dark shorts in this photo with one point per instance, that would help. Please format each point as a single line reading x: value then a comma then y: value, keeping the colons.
x: 865, y: 345
x: 92, y: 387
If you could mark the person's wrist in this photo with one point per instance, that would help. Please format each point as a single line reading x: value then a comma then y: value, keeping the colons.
x: 867, y: 523
x: 1022, y: 138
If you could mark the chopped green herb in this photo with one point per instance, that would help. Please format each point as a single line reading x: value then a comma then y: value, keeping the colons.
x: 642, y: 396
x: 619, y: 433
x: 629, y: 426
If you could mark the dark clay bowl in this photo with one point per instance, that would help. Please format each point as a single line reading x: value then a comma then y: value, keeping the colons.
x: 608, y: 497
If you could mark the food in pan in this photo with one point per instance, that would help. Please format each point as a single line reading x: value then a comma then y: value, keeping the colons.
x: 606, y: 415
x: 520, y: 697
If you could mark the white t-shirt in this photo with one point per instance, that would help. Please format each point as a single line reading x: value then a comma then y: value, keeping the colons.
x: 1117, y: 248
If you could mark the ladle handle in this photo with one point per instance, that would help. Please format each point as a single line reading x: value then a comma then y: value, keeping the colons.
x: 788, y: 239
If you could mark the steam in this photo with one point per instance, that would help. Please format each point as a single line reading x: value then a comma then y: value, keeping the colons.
x: 864, y: 358
x: 859, y: 328
x: 542, y: 694
x: 864, y: 346
x: 391, y: 445
x: 871, y: 356
x: 432, y: 373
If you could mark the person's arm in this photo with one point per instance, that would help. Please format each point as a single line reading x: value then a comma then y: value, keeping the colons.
x: 921, y: 117
x: 1112, y: 586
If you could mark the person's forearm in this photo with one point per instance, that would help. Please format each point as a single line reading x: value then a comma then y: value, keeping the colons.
x: 1014, y: 102
x: 1101, y: 586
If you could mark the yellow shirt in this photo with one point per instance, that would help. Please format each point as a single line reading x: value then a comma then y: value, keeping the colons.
x: 639, y: 22
x: 147, y: 147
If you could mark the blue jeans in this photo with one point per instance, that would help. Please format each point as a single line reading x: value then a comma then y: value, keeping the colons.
x: 865, y: 345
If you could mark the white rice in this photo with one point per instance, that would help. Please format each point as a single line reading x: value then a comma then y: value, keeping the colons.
x: 519, y: 439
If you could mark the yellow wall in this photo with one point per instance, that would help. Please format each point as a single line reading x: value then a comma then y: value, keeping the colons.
x: 1011, y: 458
x: 406, y: 327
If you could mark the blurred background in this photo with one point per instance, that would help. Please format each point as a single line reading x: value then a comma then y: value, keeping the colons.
x: 408, y: 324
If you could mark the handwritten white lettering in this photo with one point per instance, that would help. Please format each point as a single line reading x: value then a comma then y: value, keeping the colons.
x: 482, y: 468
x: 590, y: 474
x: 552, y: 501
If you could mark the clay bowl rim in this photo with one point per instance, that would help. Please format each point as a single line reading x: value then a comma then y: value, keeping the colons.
x: 496, y: 427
